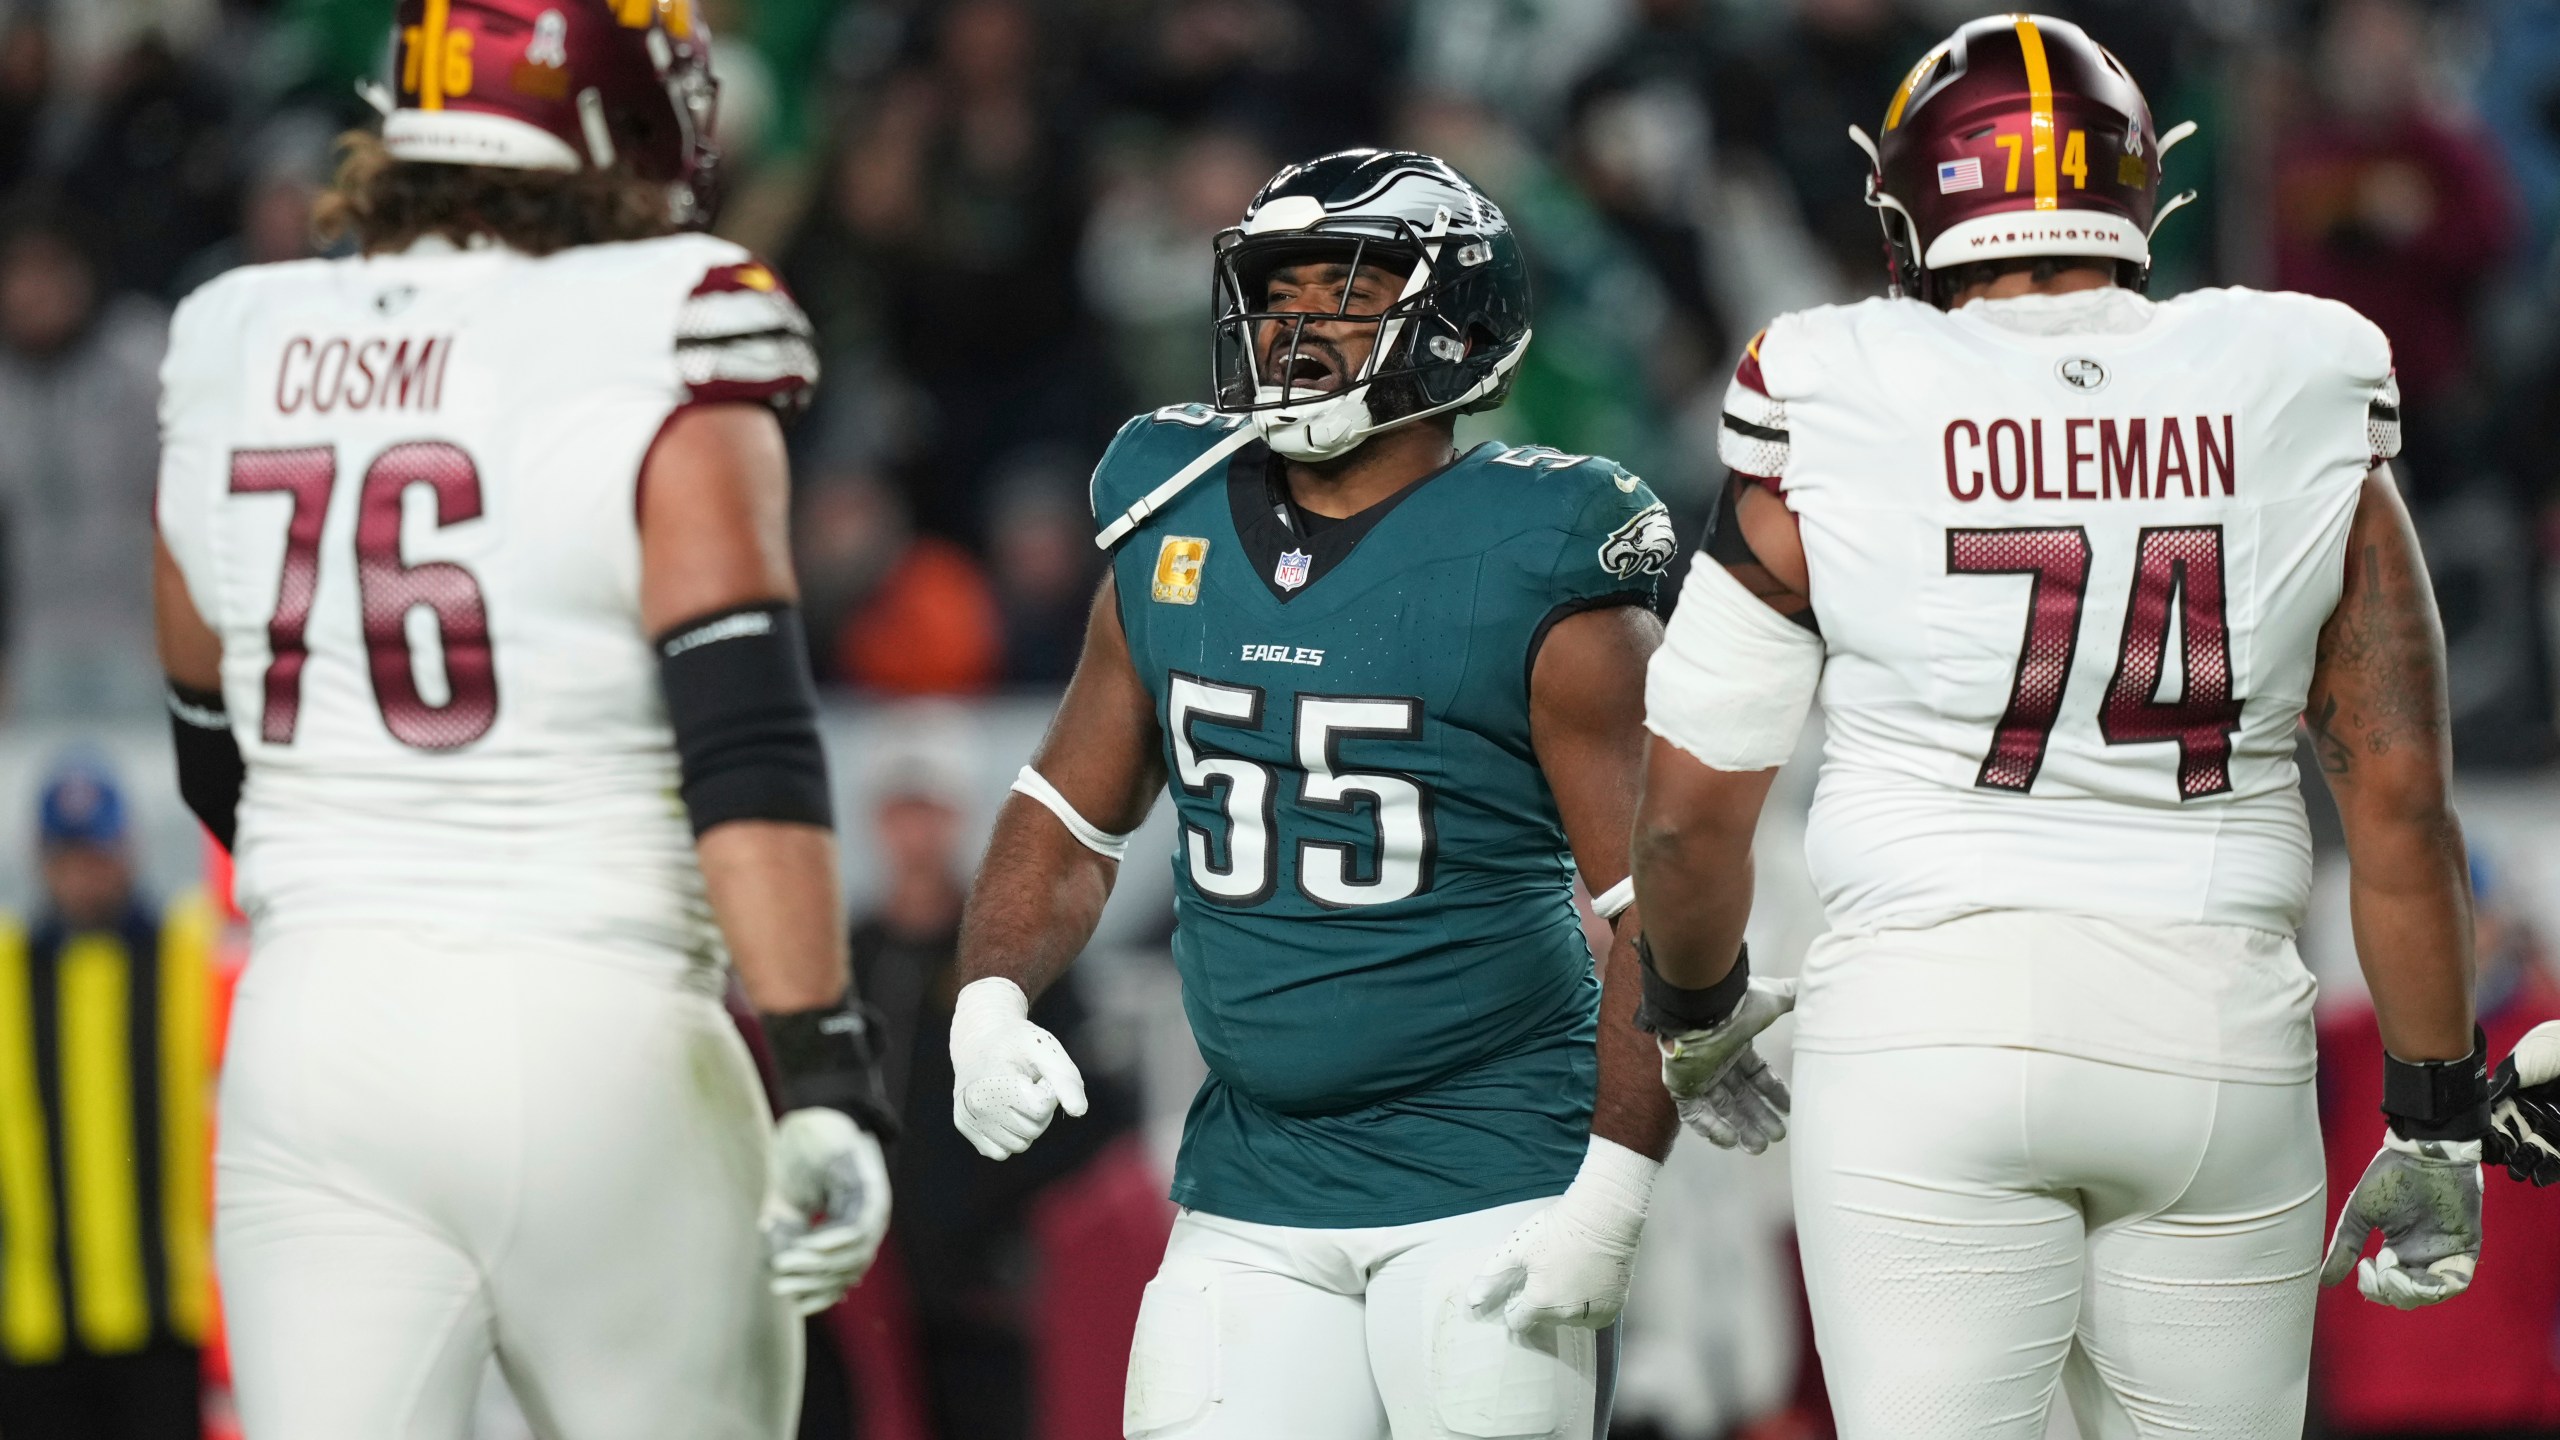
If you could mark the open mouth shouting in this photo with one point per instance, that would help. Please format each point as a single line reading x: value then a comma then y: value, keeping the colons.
x: 1316, y: 368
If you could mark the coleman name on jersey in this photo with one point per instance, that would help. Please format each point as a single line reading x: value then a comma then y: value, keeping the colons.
x: 2085, y: 458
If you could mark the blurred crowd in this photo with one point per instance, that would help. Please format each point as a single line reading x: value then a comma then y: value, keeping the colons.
x: 999, y: 214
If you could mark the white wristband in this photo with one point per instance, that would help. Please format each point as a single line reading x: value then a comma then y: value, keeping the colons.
x: 1091, y: 836
x: 1611, y: 903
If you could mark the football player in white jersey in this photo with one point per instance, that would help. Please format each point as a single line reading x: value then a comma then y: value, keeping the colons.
x: 2066, y: 569
x: 476, y: 607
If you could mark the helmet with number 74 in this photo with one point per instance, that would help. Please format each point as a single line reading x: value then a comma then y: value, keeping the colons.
x: 2016, y: 137
x: 560, y: 85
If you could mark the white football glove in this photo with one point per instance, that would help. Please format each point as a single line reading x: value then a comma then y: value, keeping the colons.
x: 1569, y: 1264
x: 826, y: 1206
x: 1722, y: 1087
x: 2424, y: 1196
x: 1009, y: 1077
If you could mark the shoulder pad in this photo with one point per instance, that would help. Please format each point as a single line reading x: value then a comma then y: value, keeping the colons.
x: 201, y: 358
x: 1617, y: 536
x: 1574, y: 478
x: 1629, y: 533
x: 2335, y: 346
x: 741, y: 337
x: 1148, y: 450
x: 1751, y: 435
x: 1548, y: 460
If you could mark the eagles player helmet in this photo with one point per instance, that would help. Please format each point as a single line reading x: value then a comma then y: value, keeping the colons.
x: 1449, y: 342
x: 2018, y: 135
x: 560, y: 85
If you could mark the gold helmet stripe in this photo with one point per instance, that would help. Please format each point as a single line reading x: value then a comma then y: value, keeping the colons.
x: 1902, y: 92
x: 430, y: 50
x: 2040, y: 118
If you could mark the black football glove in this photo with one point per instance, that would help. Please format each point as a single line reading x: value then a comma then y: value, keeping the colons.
x: 2524, y: 1108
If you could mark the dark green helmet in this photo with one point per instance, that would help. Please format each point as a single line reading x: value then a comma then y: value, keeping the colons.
x: 1449, y: 343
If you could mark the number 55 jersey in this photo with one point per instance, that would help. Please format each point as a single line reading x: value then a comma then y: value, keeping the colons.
x: 2071, y: 557
x: 1375, y: 929
x: 403, y: 490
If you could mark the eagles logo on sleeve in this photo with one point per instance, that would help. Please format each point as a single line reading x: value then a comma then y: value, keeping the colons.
x: 1642, y: 546
x: 741, y: 337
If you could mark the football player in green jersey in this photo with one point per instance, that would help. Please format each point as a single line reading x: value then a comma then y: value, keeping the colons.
x: 1397, y: 693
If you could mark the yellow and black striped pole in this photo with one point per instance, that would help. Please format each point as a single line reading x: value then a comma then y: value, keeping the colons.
x: 105, y: 1135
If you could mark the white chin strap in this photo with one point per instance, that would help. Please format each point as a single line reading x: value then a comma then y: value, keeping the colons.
x: 1336, y: 425
x: 1317, y: 431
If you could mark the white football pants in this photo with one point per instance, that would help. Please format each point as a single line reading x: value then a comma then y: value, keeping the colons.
x: 432, y: 1152
x: 1979, y: 1223
x: 1273, y: 1332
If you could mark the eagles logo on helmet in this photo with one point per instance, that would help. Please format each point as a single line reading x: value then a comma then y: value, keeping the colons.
x: 2017, y: 136
x: 561, y: 85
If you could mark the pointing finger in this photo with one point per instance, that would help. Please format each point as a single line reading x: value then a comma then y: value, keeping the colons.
x: 1049, y: 1059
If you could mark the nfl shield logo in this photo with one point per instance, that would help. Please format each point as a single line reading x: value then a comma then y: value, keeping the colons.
x: 1292, y: 570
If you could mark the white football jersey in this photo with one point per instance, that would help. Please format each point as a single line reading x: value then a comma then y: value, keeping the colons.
x: 2070, y: 556
x: 404, y: 491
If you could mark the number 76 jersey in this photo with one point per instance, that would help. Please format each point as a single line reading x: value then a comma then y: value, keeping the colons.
x: 2071, y: 557
x: 404, y: 492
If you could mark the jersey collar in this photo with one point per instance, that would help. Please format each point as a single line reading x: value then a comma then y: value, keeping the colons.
x: 1290, y: 561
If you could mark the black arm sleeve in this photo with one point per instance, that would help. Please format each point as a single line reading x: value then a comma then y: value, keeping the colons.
x: 210, y: 769
x: 1727, y: 546
x: 745, y: 714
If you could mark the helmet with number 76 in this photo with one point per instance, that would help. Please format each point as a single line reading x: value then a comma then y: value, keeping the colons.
x: 2017, y: 136
x: 560, y: 85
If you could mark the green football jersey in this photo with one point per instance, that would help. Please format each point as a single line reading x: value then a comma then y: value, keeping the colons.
x: 1374, y: 919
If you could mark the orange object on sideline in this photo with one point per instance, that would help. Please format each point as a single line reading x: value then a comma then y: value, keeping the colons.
x: 932, y: 628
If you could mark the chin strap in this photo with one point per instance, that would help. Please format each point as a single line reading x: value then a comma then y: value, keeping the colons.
x: 1880, y: 201
x: 1161, y: 496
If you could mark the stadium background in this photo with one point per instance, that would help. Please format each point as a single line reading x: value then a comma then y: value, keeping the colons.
x: 998, y: 213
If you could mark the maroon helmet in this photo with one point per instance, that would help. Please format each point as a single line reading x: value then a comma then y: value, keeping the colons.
x: 560, y: 85
x: 2018, y: 135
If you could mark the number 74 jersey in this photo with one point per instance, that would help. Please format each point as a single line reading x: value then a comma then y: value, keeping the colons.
x: 403, y: 490
x: 2071, y: 557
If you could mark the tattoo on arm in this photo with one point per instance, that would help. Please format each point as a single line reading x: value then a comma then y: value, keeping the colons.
x: 2336, y: 758
x: 2378, y: 687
